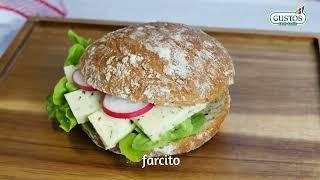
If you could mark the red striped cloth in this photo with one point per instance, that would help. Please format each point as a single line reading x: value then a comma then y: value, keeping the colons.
x: 26, y: 8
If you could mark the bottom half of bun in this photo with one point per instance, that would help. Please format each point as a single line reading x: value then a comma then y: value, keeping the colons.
x: 213, y: 122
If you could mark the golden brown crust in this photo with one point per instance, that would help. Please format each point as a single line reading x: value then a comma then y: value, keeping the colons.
x: 161, y: 63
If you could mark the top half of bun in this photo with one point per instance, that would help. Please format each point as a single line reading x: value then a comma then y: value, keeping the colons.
x: 161, y: 63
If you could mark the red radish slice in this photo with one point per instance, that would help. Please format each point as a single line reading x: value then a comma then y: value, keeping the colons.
x: 122, y: 108
x: 79, y: 81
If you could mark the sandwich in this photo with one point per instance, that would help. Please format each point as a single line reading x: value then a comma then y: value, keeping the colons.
x: 151, y: 89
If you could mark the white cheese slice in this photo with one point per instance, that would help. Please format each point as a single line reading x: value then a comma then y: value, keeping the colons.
x: 83, y: 103
x: 68, y: 71
x: 110, y: 130
x: 161, y: 119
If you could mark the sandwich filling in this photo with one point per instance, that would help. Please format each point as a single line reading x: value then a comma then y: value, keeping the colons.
x: 136, y: 144
x: 135, y: 136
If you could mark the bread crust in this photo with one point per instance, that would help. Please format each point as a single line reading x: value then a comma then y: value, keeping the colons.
x: 187, y: 144
x: 162, y: 63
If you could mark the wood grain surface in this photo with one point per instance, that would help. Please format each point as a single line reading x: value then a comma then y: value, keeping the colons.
x: 273, y: 131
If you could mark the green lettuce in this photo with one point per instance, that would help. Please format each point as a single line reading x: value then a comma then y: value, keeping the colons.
x: 136, y: 144
x: 57, y: 106
x: 61, y: 113
x: 75, y: 52
x: 197, y: 121
x: 125, y: 146
x: 78, y: 39
x: 65, y: 118
x: 59, y: 91
x: 71, y: 87
x: 182, y: 130
x: 51, y: 107
x: 143, y: 143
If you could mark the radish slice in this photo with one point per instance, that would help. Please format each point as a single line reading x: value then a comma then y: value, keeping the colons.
x: 79, y: 81
x: 122, y: 108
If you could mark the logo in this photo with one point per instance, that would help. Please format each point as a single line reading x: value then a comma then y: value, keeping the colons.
x: 162, y: 161
x: 288, y: 18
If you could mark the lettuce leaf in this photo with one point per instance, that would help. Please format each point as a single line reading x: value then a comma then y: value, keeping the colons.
x: 62, y: 113
x: 66, y: 119
x: 143, y: 143
x: 51, y: 108
x: 78, y: 39
x: 75, y: 52
x: 58, y: 107
x: 59, y: 91
x: 133, y: 146
x: 180, y: 131
x: 125, y: 146
x: 71, y: 87
x: 197, y: 121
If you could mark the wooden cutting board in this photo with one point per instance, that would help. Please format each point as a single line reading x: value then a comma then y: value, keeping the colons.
x: 273, y: 130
